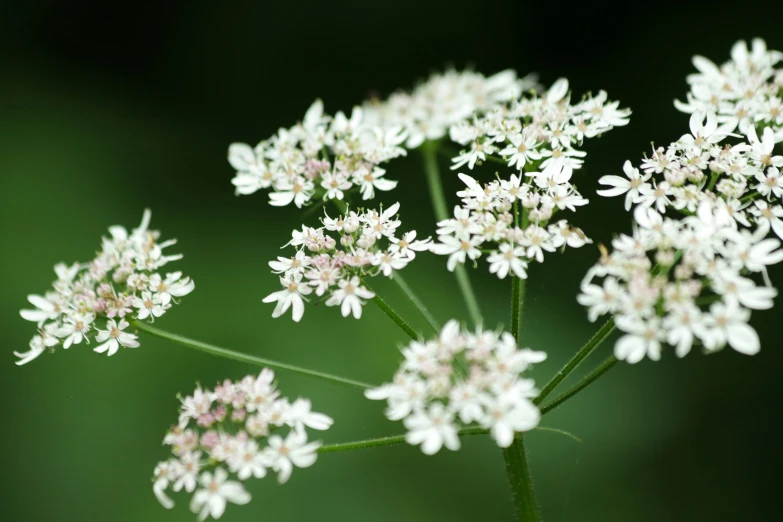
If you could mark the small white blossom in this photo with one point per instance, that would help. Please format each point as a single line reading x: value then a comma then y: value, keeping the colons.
x: 224, y: 433
x: 98, y: 300
x: 435, y: 397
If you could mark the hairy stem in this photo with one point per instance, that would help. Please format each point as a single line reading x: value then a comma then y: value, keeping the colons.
x: 429, y: 150
x: 399, y: 439
x: 250, y: 359
x: 576, y: 360
x: 521, y: 481
x: 416, y: 302
x: 383, y: 305
x: 385, y: 441
x: 517, y: 466
x: 584, y: 383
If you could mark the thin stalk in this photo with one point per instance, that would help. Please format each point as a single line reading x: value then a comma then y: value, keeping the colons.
x: 521, y: 481
x: 584, y: 383
x: 383, y: 305
x: 250, y: 359
x: 580, y: 356
x: 393, y: 440
x: 416, y: 301
x: 385, y: 441
x: 517, y: 306
x: 515, y: 456
x: 429, y: 151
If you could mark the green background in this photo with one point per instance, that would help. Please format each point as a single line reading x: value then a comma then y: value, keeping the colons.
x: 107, y: 110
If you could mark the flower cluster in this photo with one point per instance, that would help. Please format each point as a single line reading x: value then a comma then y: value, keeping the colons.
x: 95, y: 300
x: 683, y: 282
x: 747, y: 90
x: 743, y: 178
x: 362, y: 244
x: 459, y: 380
x: 322, y: 157
x: 538, y: 134
x: 244, y: 428
x: 443, y: 100
x: 489, y: 222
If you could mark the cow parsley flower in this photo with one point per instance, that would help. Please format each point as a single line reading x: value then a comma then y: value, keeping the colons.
x: 332, y: 261
x: 443, y: 100
x: 683, y: 282
x: 743, y: 92
x: 485, y: 223
x: 458, y: 380
x: 95, y: 301
x: 321, y: 158
x: 742, y: 177
x: 538, y: 134
x: 240, y: 429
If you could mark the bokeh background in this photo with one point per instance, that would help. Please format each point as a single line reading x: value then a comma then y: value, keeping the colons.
x: 108, y: 108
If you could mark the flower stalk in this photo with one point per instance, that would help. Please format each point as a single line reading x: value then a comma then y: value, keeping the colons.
x: 515, y: 456
x: 245, y: 358
x: 429, y: 150
x: 576, y: 360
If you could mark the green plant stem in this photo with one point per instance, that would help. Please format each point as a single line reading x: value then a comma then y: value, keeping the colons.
x: 584, y: 383
x: 515, y: 456
x: 422, y: 309
x: 521, y: 481
x: 383, y: 305
x: 576, y: 360
x: 399, y: 439
x: 385, y: 441
x: 250, y: 359
x: 429, y: 151
x: 517, y: 306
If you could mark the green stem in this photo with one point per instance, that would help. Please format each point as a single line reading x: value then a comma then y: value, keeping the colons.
x: 394, y: 315
x: 250, y: 359
x: 429, y: 150
x: 584, y: 383
x: 517, y: 306
x: 517, y: 466
x: 521, y: 481
x: 580, y: 356
x: 399, y: 439
x: 385, y: 441
x: 416, y: 301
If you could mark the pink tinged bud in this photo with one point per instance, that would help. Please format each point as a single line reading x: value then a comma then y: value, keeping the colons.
x: 210, y: 439
x: 206, y: 420
x: 219, y: 413
x: 238, y: 415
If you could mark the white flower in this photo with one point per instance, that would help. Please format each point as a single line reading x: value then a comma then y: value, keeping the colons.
x: 728, y: 323
x: 103, y: 291
x: 289, y: 297
x: 630, y: 187
x: 75, y: 329
x: 643, y: 338
x: 457, y: 249
x: 292, y: 451
x: 300, y: 414
x: 151, y: 305
x: 434, y: 398
x: 248, y: 461
x: 45, y: 310
x: 37, y: 347
x: 216, y: 492
x: 432, y: 428
x: 508, y: 258
x: 113, y: 337
x: 349, y: 297
x: 504, y: 418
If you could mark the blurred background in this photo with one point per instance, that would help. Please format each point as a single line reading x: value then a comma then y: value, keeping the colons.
x: 106, y: 109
